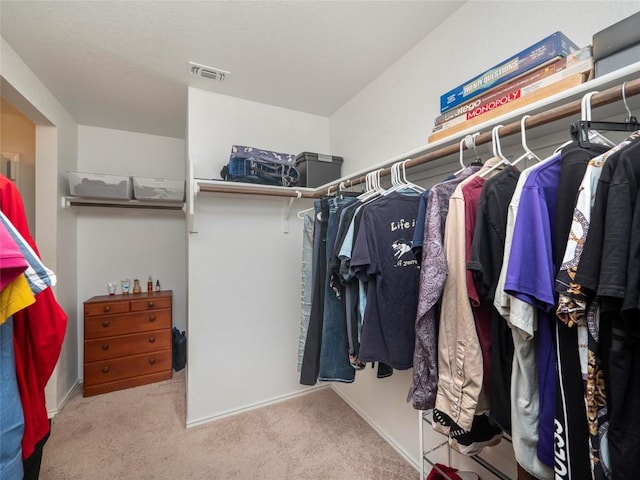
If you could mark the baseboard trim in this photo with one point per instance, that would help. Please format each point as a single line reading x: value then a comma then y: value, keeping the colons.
x: 380, y: 430
x: 53, y: 412
x: 265, y: 403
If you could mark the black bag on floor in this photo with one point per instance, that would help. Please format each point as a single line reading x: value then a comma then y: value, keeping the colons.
x: 179, y: 349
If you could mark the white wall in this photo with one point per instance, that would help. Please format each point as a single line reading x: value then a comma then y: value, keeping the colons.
x: 244, y: 272
x: 394, y: 114
x: 117, y: 243
x: 56, y: 143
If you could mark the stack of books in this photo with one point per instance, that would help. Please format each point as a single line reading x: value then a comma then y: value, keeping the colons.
x: 547, y: 67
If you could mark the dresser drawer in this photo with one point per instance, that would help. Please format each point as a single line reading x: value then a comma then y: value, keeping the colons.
x: 126, y: 367
x: 103, y: 308
x: 124, y: 345
x: 150, y: 304
x: 111, y: 325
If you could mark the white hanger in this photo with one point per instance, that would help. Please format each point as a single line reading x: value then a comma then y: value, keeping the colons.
x: 528, y: 154
x: 585, y: 115
x: 495, y: 141
x: 374, y: 187
x: 301, y: 213
x: 406, y: 181
x: 624, y: 100
x: 468, y: 141
x: 399, y: 174
x: 395, y: 179
x: 497, y: 151
x: 462, y: 166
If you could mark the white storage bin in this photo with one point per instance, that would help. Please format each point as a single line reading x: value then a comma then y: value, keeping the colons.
x: 99, y: 185
x: 159, y: 189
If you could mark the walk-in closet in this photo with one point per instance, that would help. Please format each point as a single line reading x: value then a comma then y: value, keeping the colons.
x: 236, y: 264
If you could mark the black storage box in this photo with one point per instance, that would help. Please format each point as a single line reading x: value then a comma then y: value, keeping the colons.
x: 317, y: 169
x: 618, y: 60
x: 616, y: 37
x: 617, y: 46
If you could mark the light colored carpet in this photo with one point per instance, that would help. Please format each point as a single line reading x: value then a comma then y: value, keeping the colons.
x: 139, y: 434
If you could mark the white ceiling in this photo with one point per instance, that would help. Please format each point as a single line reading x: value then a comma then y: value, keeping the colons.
x: 123, y: 64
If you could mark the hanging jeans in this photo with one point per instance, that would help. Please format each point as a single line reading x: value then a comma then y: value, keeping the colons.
x: 311, y: 358
x: 334, y: 353
x: 11, y: 417
x: 307, y: 287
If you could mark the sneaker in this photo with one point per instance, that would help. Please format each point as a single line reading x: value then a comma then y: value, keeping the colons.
x: 355, y: 362
x: 485, y: 432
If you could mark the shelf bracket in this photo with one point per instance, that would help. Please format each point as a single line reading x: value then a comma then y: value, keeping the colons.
x: 192, y: 193
x: 287, y: 211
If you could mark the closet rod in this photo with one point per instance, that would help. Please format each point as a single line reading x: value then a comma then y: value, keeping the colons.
x: 220, y: 186
x: 605, y: 97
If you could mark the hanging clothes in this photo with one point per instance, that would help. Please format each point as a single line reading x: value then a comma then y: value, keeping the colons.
x: 15, y: 295
x: 38, y: 335
x: 311, y: 357
x: 306, y: 273
x: 461, y: 400
x: 383, y: 258
x: 334, y: 357
x: 570, y: 407
x: 602, y: 274
x: 484, y: 265
x: 573, y: 311
x: 433, y: 273
x: 528, y: 394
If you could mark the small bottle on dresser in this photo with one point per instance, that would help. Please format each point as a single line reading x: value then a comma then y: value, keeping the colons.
x: 157, y: 285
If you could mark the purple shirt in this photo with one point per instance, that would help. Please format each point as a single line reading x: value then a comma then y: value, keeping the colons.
x: 531, y: 278
x: 531, y: 272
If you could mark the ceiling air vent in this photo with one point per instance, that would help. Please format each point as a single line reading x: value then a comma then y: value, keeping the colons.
x: 198, y: 70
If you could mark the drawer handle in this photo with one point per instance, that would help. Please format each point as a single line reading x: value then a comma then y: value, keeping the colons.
x: 107, y: 308
x: 151, y: 304
x: 105, y: 324
x: 152, y: 339
x: 105, y: 369
x: 152, y: 361
x: 105, y: 346
x: 152, y: 318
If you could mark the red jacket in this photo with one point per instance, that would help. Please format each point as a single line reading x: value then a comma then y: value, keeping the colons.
x: 38, y: 334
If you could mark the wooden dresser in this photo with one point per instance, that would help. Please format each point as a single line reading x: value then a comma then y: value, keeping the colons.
x: 127, y: 341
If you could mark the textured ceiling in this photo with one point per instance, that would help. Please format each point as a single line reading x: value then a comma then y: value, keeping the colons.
x: 123, y: 64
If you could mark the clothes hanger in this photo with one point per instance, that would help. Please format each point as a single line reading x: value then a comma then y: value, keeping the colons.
x: 409, y: 184
x: 528, y: 154
x: 497, y: 151
x: 469, y: 142
x: 374, y: 188
x: 403, y: 182
x: 586, y: 130
x: 497, y: 148
x: 302, y: 213
x: 368, y: 188
x: 395, y: 180
x: 471, y: 139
